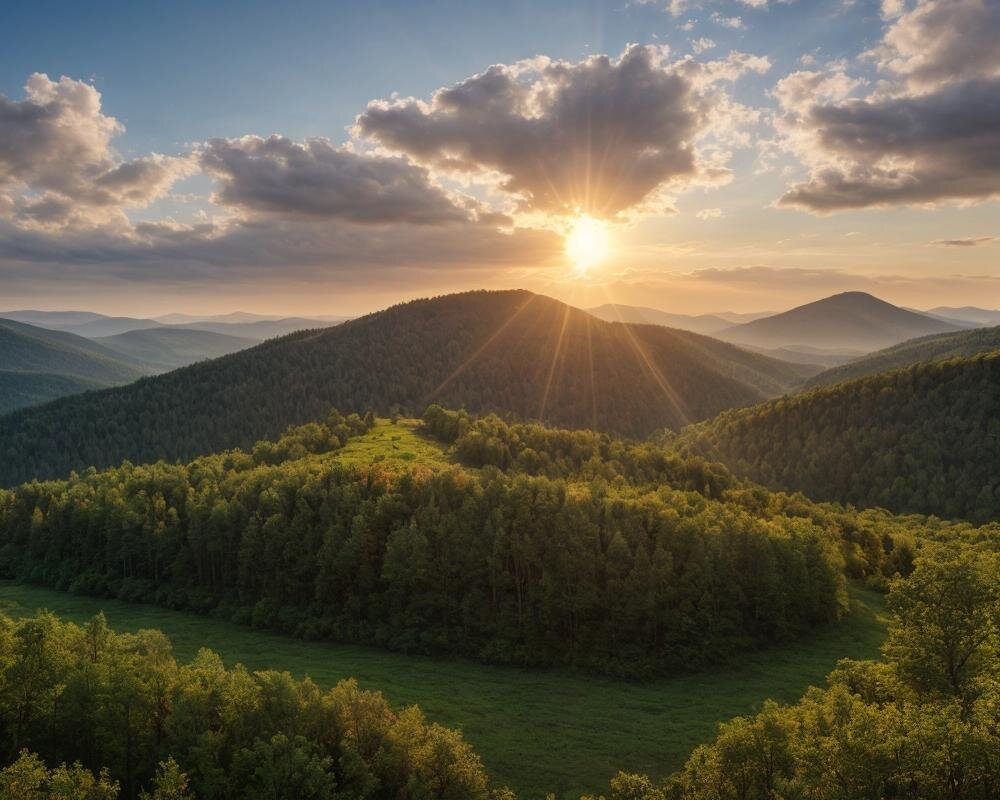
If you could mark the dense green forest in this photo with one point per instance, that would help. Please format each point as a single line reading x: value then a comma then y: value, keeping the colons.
x: 522, y: 566
x: 927, y: 348
x: 19, y: 389
x: 921, y: 725
x: 121, y: 718
x: 132, y: 722
x: 921, y: 439
x: 509, y: 352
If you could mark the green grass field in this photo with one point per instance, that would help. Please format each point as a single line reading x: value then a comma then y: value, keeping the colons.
x: 401, y: 445
x: 537, y: 731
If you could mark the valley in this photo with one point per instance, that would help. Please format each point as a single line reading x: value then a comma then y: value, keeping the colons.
x: 567, y: 733
x: 500, y: 401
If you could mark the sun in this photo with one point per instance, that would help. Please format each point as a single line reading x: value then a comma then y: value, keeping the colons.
x: 587, y: 244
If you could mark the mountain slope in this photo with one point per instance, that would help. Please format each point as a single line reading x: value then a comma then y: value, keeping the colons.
x: 919, y: 439
x: 164, y: 349
x: 29, y: 348
x: 23, y: 389
x: 38, y: 365
x: 851, y: 320
x: 511, y: 352
x: 926, y: 348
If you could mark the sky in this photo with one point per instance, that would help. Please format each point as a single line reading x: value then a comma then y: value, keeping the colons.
x: 335, y: 158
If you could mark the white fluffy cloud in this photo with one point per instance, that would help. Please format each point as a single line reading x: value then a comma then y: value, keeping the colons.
x: 57, y: 165
x: 928, y: 132
x: 602, y: 136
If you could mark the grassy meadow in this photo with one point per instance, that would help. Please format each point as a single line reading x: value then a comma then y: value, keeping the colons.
x: 394, y: 444
x: 537, y: 731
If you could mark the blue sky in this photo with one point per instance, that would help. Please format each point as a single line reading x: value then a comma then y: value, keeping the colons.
x: 177, y: 75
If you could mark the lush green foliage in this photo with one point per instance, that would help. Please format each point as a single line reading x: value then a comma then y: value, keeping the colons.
x: 920, y: 726
x: 921, y: 439
x: 122, y: 702
x: 617, y: 576
x: 510, y: 715
x: 937, y: 347
x: 509, y: 352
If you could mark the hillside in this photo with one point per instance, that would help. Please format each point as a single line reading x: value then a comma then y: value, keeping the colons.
x: 926, y: 348
x: 851, y: 320
x: 19, y: 389
x: 164, y: 349
x: 511, y: 352
x: 29, y: 348
x: 919, y: 439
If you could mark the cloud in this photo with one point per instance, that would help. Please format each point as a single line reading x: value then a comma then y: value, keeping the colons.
x: 728, y: 22
x: 57, y: 166
x: 970, y: 242
x: 702, y: 44
x: 941, y: 41
x: 928, y: 133
x: 314, y: 179
x: 283, y: 210
x: 709, y: 213
x: 602, y: 136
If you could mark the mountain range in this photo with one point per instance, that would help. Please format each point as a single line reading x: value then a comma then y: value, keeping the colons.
x: 91, y: 325
x: 512, y: 352
x: 707, y: 324
x: 851, y: 320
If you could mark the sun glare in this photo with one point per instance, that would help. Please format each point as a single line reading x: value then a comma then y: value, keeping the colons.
x: 587, y: 244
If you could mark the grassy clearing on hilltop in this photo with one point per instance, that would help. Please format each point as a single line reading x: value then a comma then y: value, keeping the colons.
x: 394, y: 443
x: 537, y: 731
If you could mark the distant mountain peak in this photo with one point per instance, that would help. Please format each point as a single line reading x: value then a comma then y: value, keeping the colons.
x: 852, y: 320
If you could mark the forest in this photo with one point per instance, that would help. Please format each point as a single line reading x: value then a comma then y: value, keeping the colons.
x: 115, y: 716
x: 598, y: 571
x: 922, y: 439
x: 511, y: 352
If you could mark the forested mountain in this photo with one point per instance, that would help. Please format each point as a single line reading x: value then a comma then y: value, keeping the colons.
x: 38, y: 365
x: 920, y: 439
x: 163, y: 349
x: 20, y: 389
x: 851, y: 320
x: 540, y: 547
x: 511, y: 352
x: 30, y: 348
x: 926, y: 348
